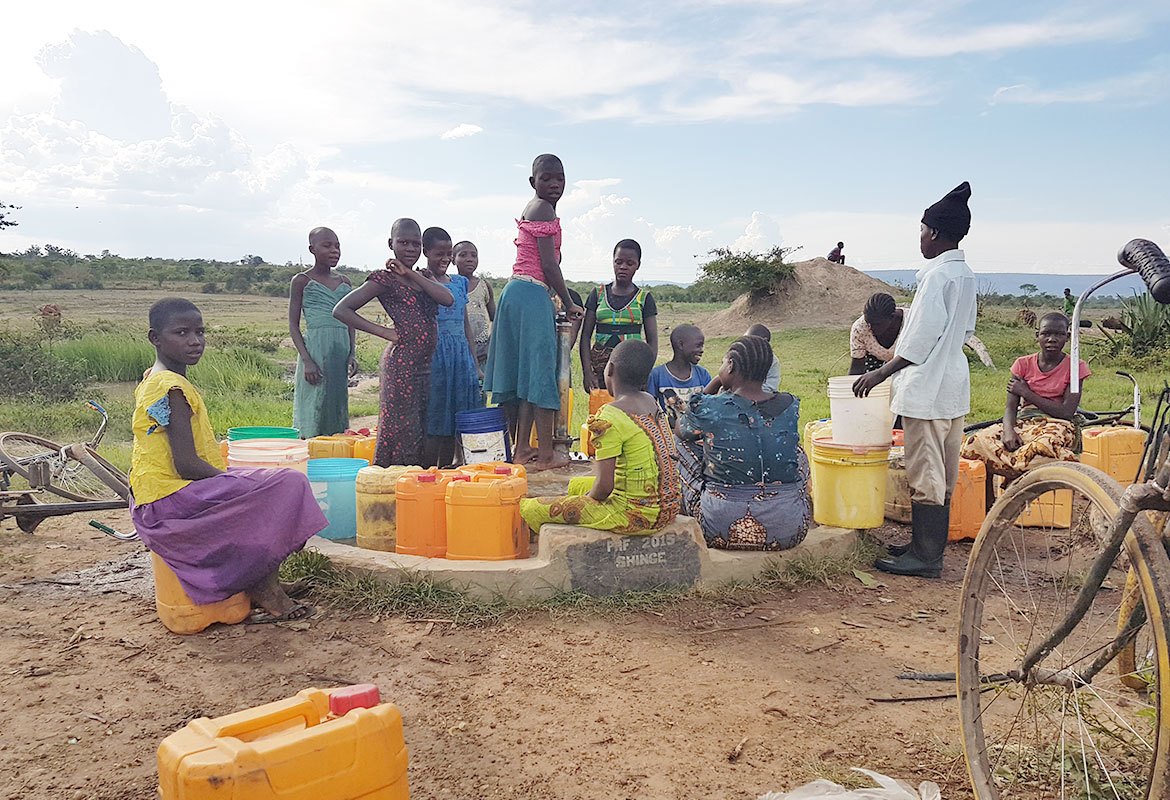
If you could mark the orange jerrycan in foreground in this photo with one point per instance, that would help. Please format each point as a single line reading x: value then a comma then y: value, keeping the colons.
x: 483, y: 519
x: 422, y: 512
x: 334, y: 744
x: 180, y: 614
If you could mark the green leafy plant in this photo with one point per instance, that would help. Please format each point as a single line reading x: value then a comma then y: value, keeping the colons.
x: 758, y: 274
x: 1147, y: 322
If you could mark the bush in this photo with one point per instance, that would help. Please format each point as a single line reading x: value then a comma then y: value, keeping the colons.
x: 112, y: 357
x: 747, y: 271
x: 211, y: 288
x: 1147, y: 323
x: 30, y: 370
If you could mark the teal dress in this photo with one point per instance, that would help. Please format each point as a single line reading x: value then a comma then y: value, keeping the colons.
x: 323, y: 409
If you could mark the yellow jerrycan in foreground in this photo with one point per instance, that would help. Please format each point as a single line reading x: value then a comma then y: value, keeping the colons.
x: 322, y: 744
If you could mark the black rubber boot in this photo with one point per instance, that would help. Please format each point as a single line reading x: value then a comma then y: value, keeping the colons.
x: 896, y: 550
x: 924, y: 558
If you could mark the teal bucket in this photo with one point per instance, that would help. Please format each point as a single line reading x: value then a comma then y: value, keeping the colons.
x: 262, y: 432
x: 334, y: 488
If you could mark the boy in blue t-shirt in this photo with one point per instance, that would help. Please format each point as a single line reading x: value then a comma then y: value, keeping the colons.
x: 673, y: 383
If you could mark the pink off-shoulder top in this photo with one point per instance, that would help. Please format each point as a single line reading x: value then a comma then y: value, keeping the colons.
x: 527, y: 255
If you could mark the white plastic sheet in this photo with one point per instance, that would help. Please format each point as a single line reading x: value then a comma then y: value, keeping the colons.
x: 886, y: 789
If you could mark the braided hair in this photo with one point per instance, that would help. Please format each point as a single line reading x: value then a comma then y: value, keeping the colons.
x: 751, y: 356
x: 880, y: 306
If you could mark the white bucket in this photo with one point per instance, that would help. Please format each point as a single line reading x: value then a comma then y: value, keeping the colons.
x: 269, y: 454
x: 860, y: 421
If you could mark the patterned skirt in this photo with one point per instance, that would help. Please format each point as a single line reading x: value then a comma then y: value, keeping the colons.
x: 772, y: 516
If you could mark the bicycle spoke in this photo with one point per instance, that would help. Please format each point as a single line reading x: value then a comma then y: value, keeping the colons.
x: 1052, y: 734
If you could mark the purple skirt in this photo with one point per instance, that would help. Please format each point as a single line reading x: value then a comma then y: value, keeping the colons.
x: 225, y: 534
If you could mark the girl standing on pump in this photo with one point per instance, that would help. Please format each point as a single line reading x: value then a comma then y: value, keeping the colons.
x: 521, y: 372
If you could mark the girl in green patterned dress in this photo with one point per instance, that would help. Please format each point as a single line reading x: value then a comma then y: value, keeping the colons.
x: 325, y: 352
x: 635, y: 488
x: 616, y: 312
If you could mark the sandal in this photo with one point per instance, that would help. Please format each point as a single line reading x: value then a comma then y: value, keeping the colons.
x: 298, y: 613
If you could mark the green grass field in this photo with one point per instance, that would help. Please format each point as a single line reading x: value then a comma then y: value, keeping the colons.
x: 246, y: 373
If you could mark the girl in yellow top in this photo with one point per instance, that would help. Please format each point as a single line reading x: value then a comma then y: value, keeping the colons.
x: 636, y: 485
x: 221, y: 532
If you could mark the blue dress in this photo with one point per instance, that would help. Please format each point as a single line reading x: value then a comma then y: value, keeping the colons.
x: 454, y: 378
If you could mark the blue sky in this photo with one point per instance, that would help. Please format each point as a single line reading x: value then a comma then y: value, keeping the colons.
x: 237, y: 127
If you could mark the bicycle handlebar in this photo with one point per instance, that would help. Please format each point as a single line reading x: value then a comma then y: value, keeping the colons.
x: 1147, y: 259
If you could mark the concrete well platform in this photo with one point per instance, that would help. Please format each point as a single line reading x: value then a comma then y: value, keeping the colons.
x: 572, y: 558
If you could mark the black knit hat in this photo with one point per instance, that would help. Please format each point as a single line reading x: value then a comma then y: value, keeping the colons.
x: 950, y: 216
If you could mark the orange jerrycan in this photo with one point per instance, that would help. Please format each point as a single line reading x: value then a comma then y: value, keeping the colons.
x: 597, y: 399
x: 333, y: 744
x: 422, y: 512
x: 365, y: 446
x: 483, y: 519
x: 969, y: 501
x: 494, y: 468
x: 377, y: 507
x: 1115, y: 451
x: 180, y: 615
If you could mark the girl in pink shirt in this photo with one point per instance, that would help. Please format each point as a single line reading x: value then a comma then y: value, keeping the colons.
x: 521, y: 369
x: 1040, y: 418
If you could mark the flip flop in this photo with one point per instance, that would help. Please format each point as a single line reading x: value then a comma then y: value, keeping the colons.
x: 300, y: 612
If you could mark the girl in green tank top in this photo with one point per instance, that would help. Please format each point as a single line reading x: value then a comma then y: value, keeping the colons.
x: 615, y: 312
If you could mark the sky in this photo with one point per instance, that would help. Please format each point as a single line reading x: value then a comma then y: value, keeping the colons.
x: 216, y: 130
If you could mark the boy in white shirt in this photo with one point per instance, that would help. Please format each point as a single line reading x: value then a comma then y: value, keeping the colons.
x: 932, y: 387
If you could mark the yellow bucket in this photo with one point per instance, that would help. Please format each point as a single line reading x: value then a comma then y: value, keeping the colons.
x: 816, y: 429
x: 849, y: 484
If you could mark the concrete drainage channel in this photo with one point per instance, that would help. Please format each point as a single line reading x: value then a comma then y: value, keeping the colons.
x: 571, y: 558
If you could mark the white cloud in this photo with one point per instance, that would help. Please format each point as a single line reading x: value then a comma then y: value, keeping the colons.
x: 461, y: 131
x: 762, y: 233
x: 1140, y: 88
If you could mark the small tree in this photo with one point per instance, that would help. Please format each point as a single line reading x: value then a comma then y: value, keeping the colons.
x: 1028, y: 289
x: 755, y: 273
x: 5, y: 211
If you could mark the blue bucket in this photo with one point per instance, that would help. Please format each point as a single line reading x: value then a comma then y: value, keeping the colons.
x: 483, y: 435
x: 334, y: 488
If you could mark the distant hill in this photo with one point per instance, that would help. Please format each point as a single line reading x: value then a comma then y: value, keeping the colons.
x: 1009, y: 282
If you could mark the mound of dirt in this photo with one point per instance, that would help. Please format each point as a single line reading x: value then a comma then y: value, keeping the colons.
x: 822, y: 295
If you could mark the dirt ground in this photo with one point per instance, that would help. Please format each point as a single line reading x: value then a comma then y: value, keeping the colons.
x: 643, y: 705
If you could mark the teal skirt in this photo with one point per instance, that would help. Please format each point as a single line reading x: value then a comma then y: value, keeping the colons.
x: 522, y: 357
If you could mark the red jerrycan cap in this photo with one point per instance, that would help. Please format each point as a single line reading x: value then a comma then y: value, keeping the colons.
x: 503, y: 470
x: 426, y: 477
x: 460, y: 478
x: 362, y: 695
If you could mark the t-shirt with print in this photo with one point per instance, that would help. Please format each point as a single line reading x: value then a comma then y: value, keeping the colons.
x: 672, y: 393
x: 1052, y: 384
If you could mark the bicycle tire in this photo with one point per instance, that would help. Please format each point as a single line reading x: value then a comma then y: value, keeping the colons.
x: 1010, y: 759
x: 69, y: 478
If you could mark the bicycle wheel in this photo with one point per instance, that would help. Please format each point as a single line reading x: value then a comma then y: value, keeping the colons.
x: 1030, y: 739
x: 68, y: 477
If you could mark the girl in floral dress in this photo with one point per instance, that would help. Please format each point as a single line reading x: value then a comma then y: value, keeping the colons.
x: 411, y: 300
